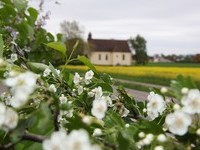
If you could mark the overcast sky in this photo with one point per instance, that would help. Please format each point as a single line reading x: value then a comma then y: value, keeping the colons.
x: 169, y: 26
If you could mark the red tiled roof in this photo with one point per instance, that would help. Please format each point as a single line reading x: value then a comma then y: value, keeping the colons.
x: 109, y: 45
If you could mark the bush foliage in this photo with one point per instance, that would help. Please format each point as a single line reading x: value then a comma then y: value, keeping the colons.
x: 50, y: 108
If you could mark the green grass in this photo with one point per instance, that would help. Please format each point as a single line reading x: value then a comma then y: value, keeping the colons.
x: 161, y: 64
x: 133, y: 86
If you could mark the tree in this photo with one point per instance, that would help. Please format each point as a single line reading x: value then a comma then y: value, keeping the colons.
x: 139, y: 45
x: 72, y: 32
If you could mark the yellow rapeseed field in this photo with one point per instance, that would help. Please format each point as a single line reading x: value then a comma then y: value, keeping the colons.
x: 163, y: 72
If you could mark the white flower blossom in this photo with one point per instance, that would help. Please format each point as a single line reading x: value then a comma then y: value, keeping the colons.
x: 56, y: 142
x: 2, y: 113
x: 144, y: 110
x: 97, y: 132
x: 184, y: 90
x: 79, y: 140
x: 13, y: 57
x: 46, y: 72
x: 57, y: 72
x: 125, y: 112
x: 178, y: 122
x: 89, y: 75
x: 76, y: 78
x: 191, y: 102
x: 87, y: 82
x: 98, y: 92
x: 155, y: 105
x: 80, y: 90
x: 141, y: 135
x: 22, y: 86
x: 161, y: 138
x: 163, y: 90
x: 127, y: 125
x: 8, y: 117
x: 99, y: 108
x: 63, y: 99
x: 159, y: 147
x: 90, y: 94
x: 52, y: 88
x: 108, y: 100
x: 176, y: 107
x: 11, y: 119
x: 198, y: 132
x: 87, y: 120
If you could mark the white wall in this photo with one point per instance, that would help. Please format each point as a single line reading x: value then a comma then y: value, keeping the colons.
x: 111, y: 58
x: 101, y: 58
x: 120, y: 58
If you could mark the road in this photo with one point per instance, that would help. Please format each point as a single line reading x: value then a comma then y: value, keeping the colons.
x: 139, y: 95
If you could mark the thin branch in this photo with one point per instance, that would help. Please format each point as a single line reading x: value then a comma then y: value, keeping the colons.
x: 7, y: 146
x: 33, y: 137
x: 56, y: 125
x: 112, y: 146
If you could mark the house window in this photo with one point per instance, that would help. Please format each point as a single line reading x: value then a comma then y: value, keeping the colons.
x: 106, y: 57
x: 123, y: 57
x: 99, y: 56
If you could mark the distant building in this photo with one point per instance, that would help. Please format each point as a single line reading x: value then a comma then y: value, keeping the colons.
x: 109, y: 52
x: 158, y: 58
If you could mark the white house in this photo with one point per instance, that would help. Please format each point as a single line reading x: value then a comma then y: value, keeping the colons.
x: 109, y: 52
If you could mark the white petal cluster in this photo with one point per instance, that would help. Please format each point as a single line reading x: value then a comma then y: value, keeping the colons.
x: 22, y: 86
x: 191, y: 102
x: 76, y: 78
x: 178, y: 122
x: 46, y: 72
x: 145, y: 139
x: 99, y: 108
x: 52, y: 88
x: 13, y: 57
x: 63, y: 99
x: 76, y: 140
x: 155, y: 106
x: 8, y: 117
x: 89, y: 75
x: 97, y: 132
x: 98, y: 92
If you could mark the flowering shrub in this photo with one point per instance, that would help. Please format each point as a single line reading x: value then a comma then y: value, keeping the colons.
x: 50, y: 108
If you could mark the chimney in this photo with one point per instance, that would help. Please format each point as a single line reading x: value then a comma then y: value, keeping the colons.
x: 89, y: 36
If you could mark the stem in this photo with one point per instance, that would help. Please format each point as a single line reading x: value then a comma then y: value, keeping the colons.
x: 26, y: 136
x: 33, y: 137
x: 56, y: 126
x: 7, y: 146
x: 68, y: 59
x: 107, y: 144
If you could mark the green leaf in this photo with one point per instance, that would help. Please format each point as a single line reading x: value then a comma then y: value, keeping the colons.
x: 59, y: 46
x: 33, y: 15
x: 106, y: 87
x: 43, y: 121
x: 123, y: 142
x: 59, y: 37
x: 84, y: 60
x: 1, y: 46
x: 37, y: 67
x: 113, y: 119
x: 20, y: 4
